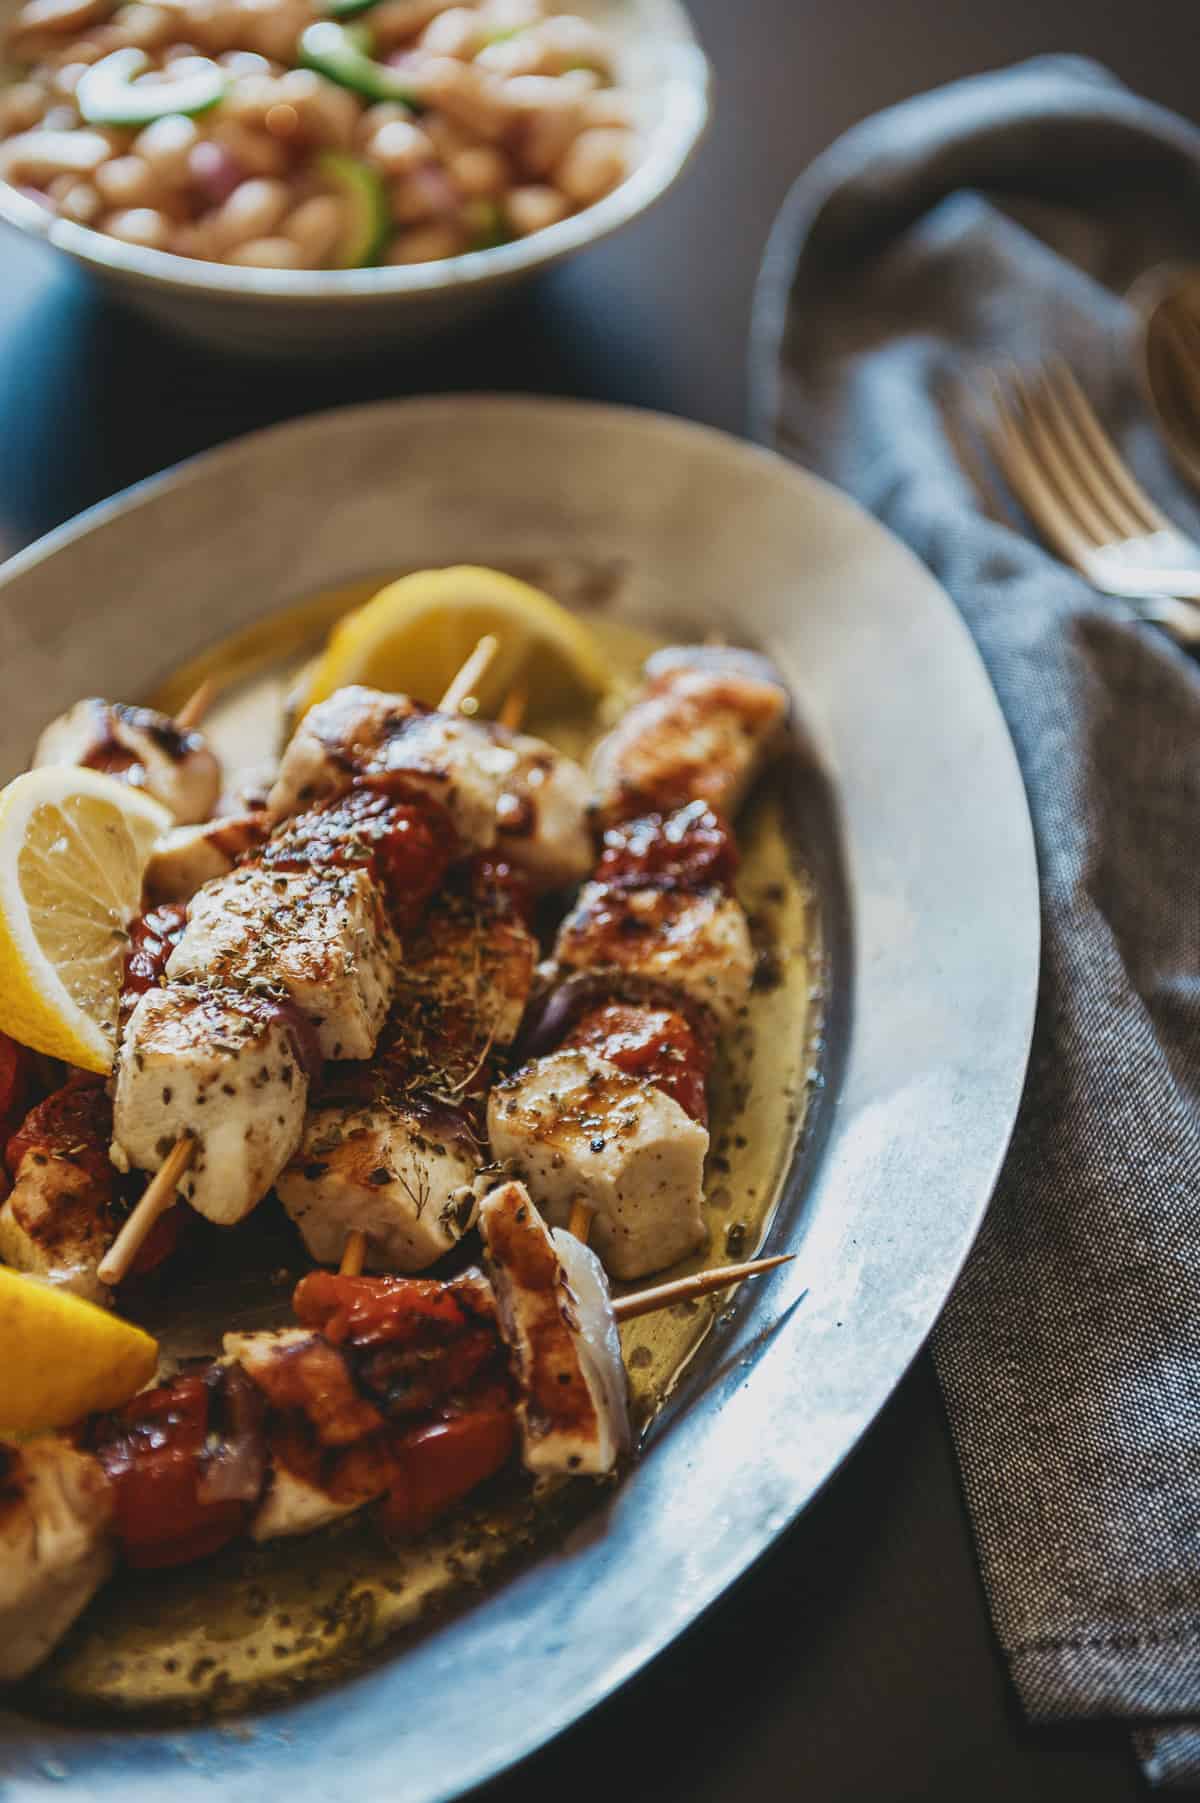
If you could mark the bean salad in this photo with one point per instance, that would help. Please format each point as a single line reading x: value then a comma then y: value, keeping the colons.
x: 283, y: 134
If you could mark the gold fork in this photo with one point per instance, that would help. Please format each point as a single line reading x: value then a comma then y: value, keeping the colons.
x: 1069, y: 477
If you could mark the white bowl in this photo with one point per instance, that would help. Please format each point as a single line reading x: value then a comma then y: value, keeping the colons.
x: 285, y: 312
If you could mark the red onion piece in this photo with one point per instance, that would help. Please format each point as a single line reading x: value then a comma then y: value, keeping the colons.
x: 233, y: 1464
x: 215, y: 171
x: 436, y: 189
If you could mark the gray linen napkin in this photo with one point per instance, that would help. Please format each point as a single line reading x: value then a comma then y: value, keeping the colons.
x: 1004, y: 217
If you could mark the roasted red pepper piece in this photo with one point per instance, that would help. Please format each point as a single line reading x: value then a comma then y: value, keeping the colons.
x: 690, y: 849
x: 153, y: 1452
x: 436, y: 1465
x: 372, y: 1311
x: 153, y: 936
x: 655, y: 1044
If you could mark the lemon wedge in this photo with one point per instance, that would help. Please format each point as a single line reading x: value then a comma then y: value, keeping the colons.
x: 63, y: 1357
x: 416, y: 634
x: 73, y: 847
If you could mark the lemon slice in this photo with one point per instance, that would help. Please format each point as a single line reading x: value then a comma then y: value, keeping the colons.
x: 63, y: 1357
x: 73, y: 847
x: 415, y: 635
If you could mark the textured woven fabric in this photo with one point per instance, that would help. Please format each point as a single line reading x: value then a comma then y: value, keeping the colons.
x: 1003, y: 218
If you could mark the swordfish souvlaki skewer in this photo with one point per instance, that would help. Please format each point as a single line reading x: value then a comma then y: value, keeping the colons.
x: 400, y: 1393
x: 292, y: 957
x: 650, y: 965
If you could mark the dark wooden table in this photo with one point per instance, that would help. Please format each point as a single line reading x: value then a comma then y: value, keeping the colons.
x: 857, y: 1662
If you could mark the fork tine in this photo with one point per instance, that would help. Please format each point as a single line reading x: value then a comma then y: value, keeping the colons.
x: 1185, y: 364
x: 1027, y: 481
x: 1059, y: 469
x: 1095, y: 476
x: 1149, y: 516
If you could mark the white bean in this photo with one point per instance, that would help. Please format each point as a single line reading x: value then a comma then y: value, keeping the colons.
x: 399, y: 147
x: 395, y: 20
x: 266, y: 253
x: 257, y: 151
x: 62, y: 117
x: 86, y: 50
x: 59, y: 15
x: 65, y: 79
x: 211, y: 24
x: 128, y: 182
x: 522, y: 55
x: 272, y: 29
x: 140, y: 225
x: 446, y: 137
x: 81, y: 203
x: 144, y: 26
x: 481, y: 172
x: 251, y: 97
x: 193, y: 240
x: 426, y: 244
x: 35, y: 156
x: 241, y: 63
x: 21, y: 107
x: 510, y: 15
x: 384, y: 112
x: 328, y: 116
x: 533, y: 208
x: 608, y: 106
x: 467, y: 94
x: 574, y: 43
x: 254, y: 210
x: 315, y: 228
x: 458, y: 31
x: 549, y: 117
x: 594, y: 165
x: 166, y: 146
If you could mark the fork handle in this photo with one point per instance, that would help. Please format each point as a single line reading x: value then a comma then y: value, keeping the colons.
x: 1179, y: 619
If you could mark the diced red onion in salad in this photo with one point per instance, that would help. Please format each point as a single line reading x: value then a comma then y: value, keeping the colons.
x: 215, y: 170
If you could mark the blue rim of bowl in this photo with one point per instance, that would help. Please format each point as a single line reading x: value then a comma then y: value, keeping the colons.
x: 685, y: 93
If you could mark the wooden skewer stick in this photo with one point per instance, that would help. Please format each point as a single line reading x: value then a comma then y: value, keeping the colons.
x: 515, y: 703
x: 579, y: 1222
x: 197, y: 705
x: 156, y: 1198
x: 355, y: 1254
x: 687, y: 1289
x: 462, y: 689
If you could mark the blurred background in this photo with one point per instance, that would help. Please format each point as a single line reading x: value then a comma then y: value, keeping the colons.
x: 91, y: 399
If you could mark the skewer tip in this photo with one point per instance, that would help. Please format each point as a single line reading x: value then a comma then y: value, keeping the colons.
x: 689, y: 1289
x: 197, y: 705
x: 156, y: 1198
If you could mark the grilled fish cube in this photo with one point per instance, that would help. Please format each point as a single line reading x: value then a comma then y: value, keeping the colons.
x: 695, y: 942
x: 55, y: 1546
x: 322, y: 937
x: 400, y: 1174
x: 468, y: 963
x: 225, y: 1069
x: 141, y: 747
x: 50, y: 1228
x: 556, y: 1318
x: 363, y: 732
x: 187, y: 857
x: 543, y: 815
x: 574, y: 1126
x: 59, y: 1219
x: 292, y: 1505
x: 701, y: 729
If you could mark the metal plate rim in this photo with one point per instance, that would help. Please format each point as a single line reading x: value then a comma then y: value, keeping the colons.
x: 932, y: 634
